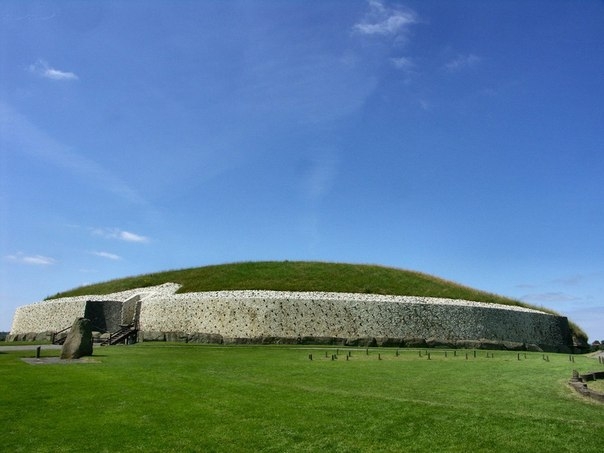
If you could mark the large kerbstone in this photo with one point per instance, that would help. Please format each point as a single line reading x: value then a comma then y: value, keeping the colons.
x: 79, y: 340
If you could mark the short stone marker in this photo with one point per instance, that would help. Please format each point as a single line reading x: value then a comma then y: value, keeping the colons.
x: 79, y: 340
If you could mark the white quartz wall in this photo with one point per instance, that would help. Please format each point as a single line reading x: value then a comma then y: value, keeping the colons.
x: 57, y: 314
x: 255, y: 314
x: 46, y: 316
x: 262, y: 314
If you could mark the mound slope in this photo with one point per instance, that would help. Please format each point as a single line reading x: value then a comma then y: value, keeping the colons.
x: 298, y: 276
x: 309, y: 301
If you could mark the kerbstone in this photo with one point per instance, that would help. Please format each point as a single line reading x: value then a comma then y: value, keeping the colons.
x: 79, y: 340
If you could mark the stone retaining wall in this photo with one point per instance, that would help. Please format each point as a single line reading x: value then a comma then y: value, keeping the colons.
x: 271, y: 316
x: 579, y: 383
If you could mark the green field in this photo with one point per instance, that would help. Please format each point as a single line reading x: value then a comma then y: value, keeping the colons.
x: 183, y: 398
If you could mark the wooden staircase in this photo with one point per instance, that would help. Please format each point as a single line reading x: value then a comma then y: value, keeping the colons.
x: 125, y: 333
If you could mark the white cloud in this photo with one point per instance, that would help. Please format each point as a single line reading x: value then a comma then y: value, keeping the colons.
x: 131, y: 237
x: 385, y: 21
x: 116, y: 233
x: 462, y: 62
x: 42, y: 69
x: 36, y: 260
x: 109, y: 256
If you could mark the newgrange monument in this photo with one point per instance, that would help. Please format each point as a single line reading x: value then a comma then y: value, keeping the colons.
x: 300, y: 302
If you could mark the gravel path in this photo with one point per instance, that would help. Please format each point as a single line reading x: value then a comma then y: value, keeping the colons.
x: 30, y: 347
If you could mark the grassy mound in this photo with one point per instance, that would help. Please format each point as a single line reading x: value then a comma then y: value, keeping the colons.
x: 298, y: 276
x: 303, y: 276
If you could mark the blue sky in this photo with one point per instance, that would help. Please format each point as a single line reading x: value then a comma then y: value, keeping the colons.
x: 461, y: 139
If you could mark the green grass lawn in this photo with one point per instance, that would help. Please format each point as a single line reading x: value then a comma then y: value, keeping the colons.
x: 598, y: 385
x: 179, y: 397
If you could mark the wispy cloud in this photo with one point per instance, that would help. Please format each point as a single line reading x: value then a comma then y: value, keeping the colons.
x: 554, y: 296
x: 28, y: 17
x: 462, y: 62
x: 425, y: 105
x: 20, y: 134
x: 578, y: 279
x: 403, y: 63
x: 526, y: 286
x: 122, y: 235
x: 318, y: 175
x: 131, y: 237
x: 107, y: 255
x: 36, y: 260
x: 42, y: 69
x: 383, y: 20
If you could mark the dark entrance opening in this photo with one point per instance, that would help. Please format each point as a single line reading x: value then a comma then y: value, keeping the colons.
x: 106, y: 315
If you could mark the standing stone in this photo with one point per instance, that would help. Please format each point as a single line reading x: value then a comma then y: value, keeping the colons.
x: 79, y: 340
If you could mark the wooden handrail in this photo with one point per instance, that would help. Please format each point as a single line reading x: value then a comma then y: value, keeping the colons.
x: 54, y: 334
x: 122, y: 333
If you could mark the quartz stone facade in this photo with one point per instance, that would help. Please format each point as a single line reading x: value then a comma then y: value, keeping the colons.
x: 309, y: 317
